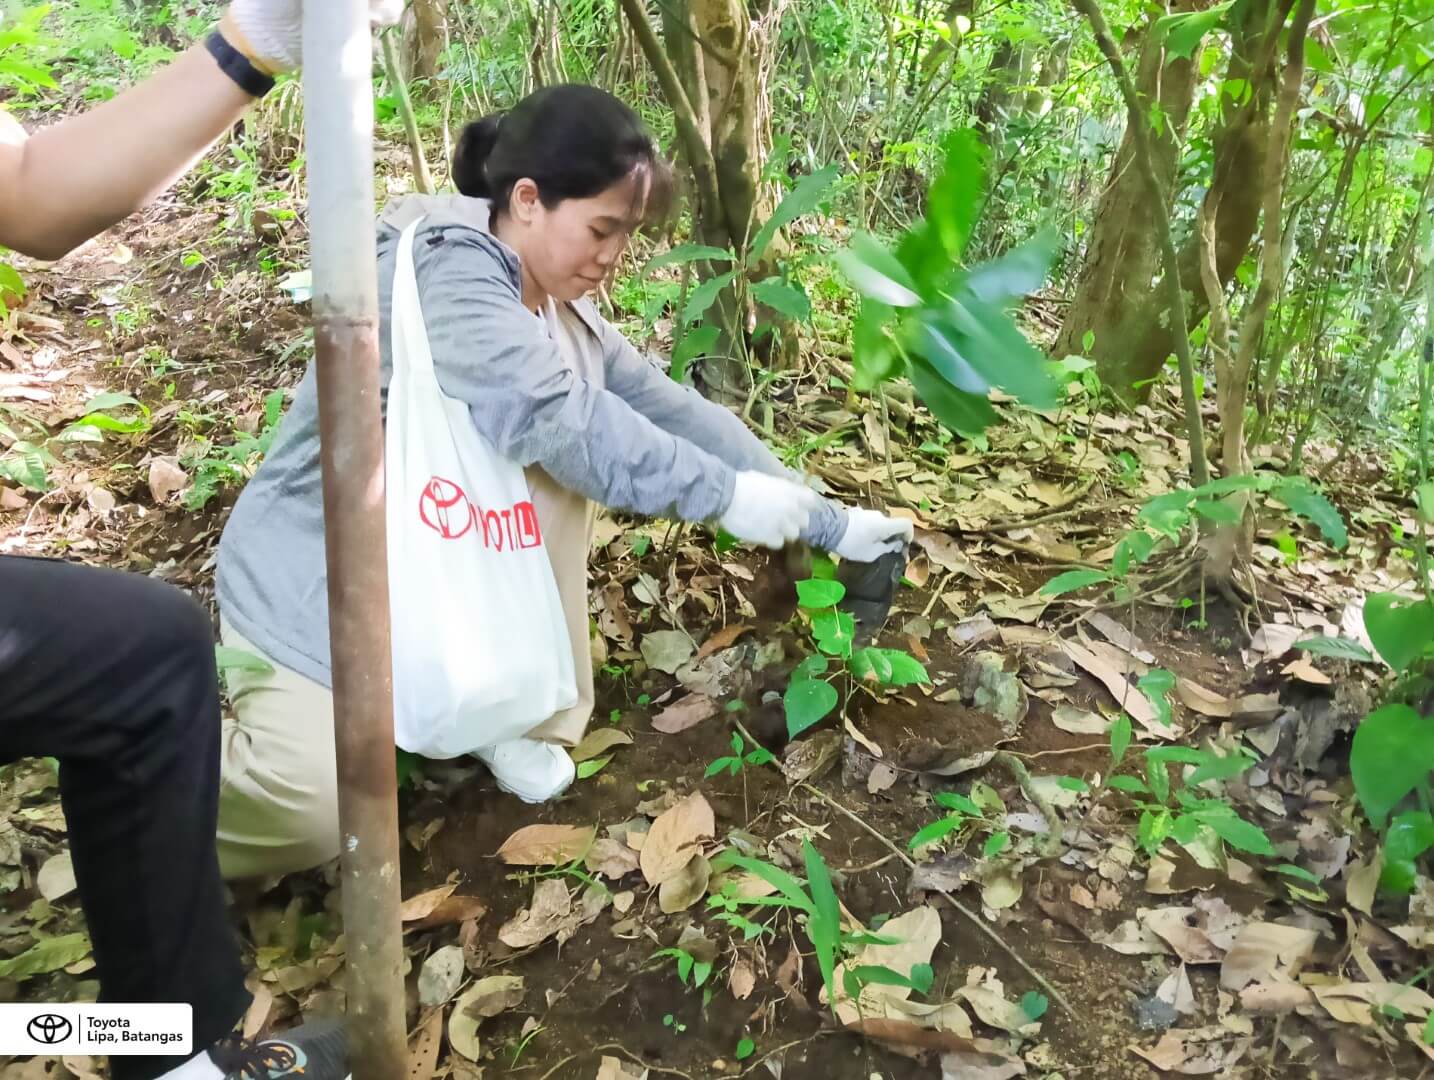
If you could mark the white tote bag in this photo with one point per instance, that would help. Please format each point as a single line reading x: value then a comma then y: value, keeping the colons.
x: 480, y: 646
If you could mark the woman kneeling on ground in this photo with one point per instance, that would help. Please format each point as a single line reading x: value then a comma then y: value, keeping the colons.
x: 551, y: 192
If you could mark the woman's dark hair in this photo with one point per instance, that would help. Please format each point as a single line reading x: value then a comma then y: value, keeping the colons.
x: 573, y: 141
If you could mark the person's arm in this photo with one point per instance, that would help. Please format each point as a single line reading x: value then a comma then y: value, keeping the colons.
x: 681, y: 409
x: 76, y: 178
x: 492, y: 353
x: 69, y: 181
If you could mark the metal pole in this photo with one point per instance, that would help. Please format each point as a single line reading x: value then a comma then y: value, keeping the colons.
x: 338, y: 110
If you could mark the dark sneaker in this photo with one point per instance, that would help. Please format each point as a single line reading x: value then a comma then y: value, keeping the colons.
x: 316, y: 1051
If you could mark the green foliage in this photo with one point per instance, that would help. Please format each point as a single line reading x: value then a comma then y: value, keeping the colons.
x: 1156, y: 685
x: 1392, y: 756
x: 688, y: 966
x: 739, y: 758
x: 802, y: 199
x: 1400, y: 629
x: 945, y: 327
x: 214, y: 468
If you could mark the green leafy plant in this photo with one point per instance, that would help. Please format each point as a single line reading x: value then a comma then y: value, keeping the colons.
x: 687, y: 966
x: 31, y: 452
x: 810, y: 695
x: 213, y: 468
x: 943, y: 326
x: 982, y: 811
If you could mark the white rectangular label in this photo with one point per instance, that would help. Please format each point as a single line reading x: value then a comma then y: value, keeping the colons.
x: 113, y: 1029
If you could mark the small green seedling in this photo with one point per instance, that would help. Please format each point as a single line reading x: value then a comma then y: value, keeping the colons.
x: 688, y: 966
x: 739, y: 759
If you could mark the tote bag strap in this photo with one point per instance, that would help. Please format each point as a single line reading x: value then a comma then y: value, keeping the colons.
x: 409, y: 335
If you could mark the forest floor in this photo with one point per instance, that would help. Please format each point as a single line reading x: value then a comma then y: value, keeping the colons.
x: 540, y: 963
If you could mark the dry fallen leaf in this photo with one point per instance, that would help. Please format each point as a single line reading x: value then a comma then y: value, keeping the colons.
x: 666, y: 650
x: 1274, y: 999
x: 1177, y: 992
x: 1305, y: 671
x: 548, y: 914
x: 675, y: 837
x: 485, y: 998
x: 422, y: 905
x: 1190, y: 1054
x: 1198, y: 699
x: 1353, y: 1003
x: 688, y: 712
x: 57, y: 877
x: 1263, y: 951
x: 741, y: 980
x: 915, y: 935
x: 1116, y: 680
x: 610, y: 858
x: 684, y: 888
x: 546, y: 845
x: 598, y: 742
x: 728, y: 635
x: 424, y: 1046
x: 882, y: 776
x: 452, y: 909
x: 166, y: 479
x: 611, y: 1068
x: 1174, y: 926
x: 978, y: 1064
x: 1079, y: 721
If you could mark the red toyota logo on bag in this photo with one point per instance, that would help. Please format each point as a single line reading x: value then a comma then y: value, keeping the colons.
x: 445, y: 509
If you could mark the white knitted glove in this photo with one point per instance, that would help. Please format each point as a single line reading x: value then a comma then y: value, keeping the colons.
x: 768, y: 510
x: 271, y: 32
x: 870, y: 535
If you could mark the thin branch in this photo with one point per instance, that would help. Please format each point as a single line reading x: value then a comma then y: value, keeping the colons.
x: 1145, y: 156
x: 421, y: 176
x: 694, y: 140
x: 1040, y: 980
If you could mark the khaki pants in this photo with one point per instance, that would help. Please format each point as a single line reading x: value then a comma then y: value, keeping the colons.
x: 278, y: 797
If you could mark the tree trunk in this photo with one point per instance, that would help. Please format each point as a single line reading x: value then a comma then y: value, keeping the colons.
x: 1130, y: 315
x: 425, y: 35
x: 1122, y: 256
x: 710, y: 64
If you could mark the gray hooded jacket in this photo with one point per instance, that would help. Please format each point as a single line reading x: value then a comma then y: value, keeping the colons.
x: 640, y: 443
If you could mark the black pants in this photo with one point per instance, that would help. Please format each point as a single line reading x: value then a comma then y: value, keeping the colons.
x: 113, y: 674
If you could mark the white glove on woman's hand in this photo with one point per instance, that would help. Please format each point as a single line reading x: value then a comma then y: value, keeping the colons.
x: 768, y: 510
x: 271, y: 32
x: 871, y: 534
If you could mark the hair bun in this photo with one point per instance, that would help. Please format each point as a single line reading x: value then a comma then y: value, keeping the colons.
x: 471, y: 156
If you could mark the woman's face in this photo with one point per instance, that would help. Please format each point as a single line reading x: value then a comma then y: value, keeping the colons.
x: 570, y: 249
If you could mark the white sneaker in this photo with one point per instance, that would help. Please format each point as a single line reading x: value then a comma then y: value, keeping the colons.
x: 532, y: 770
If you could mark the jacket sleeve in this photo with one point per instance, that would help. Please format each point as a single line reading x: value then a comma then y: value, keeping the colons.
x: 492, y: 353
x: 717, y: 430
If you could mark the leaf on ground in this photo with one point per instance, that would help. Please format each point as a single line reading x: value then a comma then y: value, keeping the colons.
x: 166, y: 479
x: 50, y: 954
x: 422, y: 905
x: 610, y: 858
x: 675, y: 837
x: 976, y: 1064
x: 611, y: 1068
x: 1275, y: 999
x: 56, y: 878
x: 485, y: 998
x: 1184, y: 1052
x: 453, y: 909
x: 1275, y: 639
x: 441, y: 975
x: 1177, y: 992
x: 1118, y: 683
x: 548, y: 914
x: 728, y: 635
x: 424, y: 1046
x: 915, y: 935
x: 1198, y: 699
x: 667, y: 650
x: 1079, y: 721
x: 688, y: 712
x: 598, y: 742
x: 1354, y: 1003
x: 1305, y: 671
x: 742, y: 979
x: 684, y: 888
x: 1264, y: 950
x: 546, y: 845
